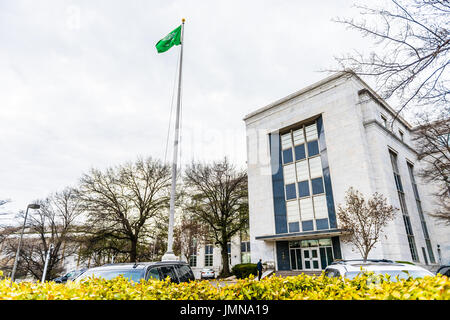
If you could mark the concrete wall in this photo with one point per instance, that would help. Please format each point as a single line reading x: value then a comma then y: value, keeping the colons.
x: 357, y: 147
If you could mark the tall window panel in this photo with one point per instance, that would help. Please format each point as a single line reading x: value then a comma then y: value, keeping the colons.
x: 193, y: 253
x: 305, y: 196
x: 209, y: 255
x: 404, y: 209
x: 245, y: 252
x: 422, y: 218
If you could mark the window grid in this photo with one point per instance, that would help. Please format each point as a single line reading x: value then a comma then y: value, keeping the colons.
x: 401, y: 197
x: 245, y: 252
x: 422, y: 218
x: 193, y: 253
x: 310, y: 136
x: 208, y: 255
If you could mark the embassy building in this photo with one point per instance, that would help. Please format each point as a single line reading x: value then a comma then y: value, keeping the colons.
x: 306, y: 150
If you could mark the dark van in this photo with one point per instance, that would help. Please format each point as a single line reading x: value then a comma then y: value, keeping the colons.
x: 178, y: 271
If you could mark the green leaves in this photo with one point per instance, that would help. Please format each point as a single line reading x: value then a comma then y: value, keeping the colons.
x: 300, y: 287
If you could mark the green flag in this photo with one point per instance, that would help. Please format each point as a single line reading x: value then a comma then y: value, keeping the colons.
x: 172, y: 39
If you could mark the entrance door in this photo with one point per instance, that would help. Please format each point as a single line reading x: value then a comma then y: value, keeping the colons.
x: 296, y: 259
x: 311, y: 259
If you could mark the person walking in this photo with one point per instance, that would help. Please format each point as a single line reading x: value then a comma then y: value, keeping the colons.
x: 259, y: 267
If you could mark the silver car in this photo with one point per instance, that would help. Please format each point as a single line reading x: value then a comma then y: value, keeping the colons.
x: 207, y: 274
x: 349, y: 269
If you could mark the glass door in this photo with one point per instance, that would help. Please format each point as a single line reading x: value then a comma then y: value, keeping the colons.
x: 296, y: 259
x: 311, y: 259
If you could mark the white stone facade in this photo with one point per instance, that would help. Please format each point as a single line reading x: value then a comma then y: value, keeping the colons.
x: 357, y: 150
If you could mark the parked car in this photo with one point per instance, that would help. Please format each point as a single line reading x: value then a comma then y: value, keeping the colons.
x: 351, y: 268
x: 207, y: 274
x: 178, y: 271
x: 71, y: 275
x: 444, y: 270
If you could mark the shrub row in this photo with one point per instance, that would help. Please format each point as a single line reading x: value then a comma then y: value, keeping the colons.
x: 244, y: 270
x: 297, y: 288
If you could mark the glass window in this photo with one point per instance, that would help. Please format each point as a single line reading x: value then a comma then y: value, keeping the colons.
x: 193, y: 260
x: 303, y: 189
x: 315, y: 264
x: 298, y: 136
x: 286, y: 141
x: 302, y: 170
x: 290, y: 191
x: 300, y: 152
x: 133, y: 274
x: 329, y: 254
x: 313, y: 148
x: 309, y: 243
x: 209, y: 256
x: 292, y: 211
x: 315, y: 167
x: 294, y: 244
x: 425, y: 255
x: 325, y: 242
x: 287, y: 156
x: 317, y: 185
x: 289, y: 174
x: 294, y: 227
x: 168, y: 271
x: 245, y: 246
x: 322, y: 224
x: 311, y: 132
x: 401, y: 274
x: 307, y: 225
x: 306, y: 209
x: 320, y: 207
x: 245, y: 252
x: 404, y: 210
x: 153, y: 274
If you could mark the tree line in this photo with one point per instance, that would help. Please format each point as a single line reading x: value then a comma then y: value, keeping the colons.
x: 120, y: 214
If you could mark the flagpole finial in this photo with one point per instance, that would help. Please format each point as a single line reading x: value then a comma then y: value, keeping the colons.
x: 183, y: 20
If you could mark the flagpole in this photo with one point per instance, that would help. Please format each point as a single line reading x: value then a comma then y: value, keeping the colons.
x: 169, y: 255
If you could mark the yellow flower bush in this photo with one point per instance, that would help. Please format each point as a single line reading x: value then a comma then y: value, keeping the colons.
x: 300, y: 287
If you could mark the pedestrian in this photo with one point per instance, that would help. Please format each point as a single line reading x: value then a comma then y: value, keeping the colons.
x: 259, y: 267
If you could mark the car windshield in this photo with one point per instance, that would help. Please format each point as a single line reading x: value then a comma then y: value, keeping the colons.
x: 402, y: 274
x: 134, y: 275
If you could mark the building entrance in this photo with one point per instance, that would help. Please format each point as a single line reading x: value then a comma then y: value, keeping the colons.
x: 310, y: 255
x: 311, y: 258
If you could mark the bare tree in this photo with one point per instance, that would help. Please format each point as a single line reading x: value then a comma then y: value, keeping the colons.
x: 413, y: 42
x: 218, y: 197
x: 3, y: 202
x: 124, y: 203
x: 432, y: 140
x: 363, y: 221
x: 54, y: 223
x: 188, y: 234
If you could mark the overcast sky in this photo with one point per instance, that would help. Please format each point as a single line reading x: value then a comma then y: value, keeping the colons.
x: 82, y: 86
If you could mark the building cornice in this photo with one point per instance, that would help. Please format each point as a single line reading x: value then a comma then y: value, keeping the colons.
x: 349, y: 74
x: 375, y: 122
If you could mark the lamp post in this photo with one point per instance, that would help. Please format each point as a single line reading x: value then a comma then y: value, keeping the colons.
x: 30, y: 206
x: 47, y: 258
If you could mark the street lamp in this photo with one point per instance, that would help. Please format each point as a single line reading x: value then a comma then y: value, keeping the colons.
x: 30, y: 206
x: 46, y: 262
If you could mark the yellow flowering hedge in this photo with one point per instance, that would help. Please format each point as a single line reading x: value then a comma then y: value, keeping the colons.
x: 300, y: 287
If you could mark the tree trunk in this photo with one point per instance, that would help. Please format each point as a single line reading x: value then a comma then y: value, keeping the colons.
x: 226, y: 268
x: 366, y: 254
x: 133, y: 250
